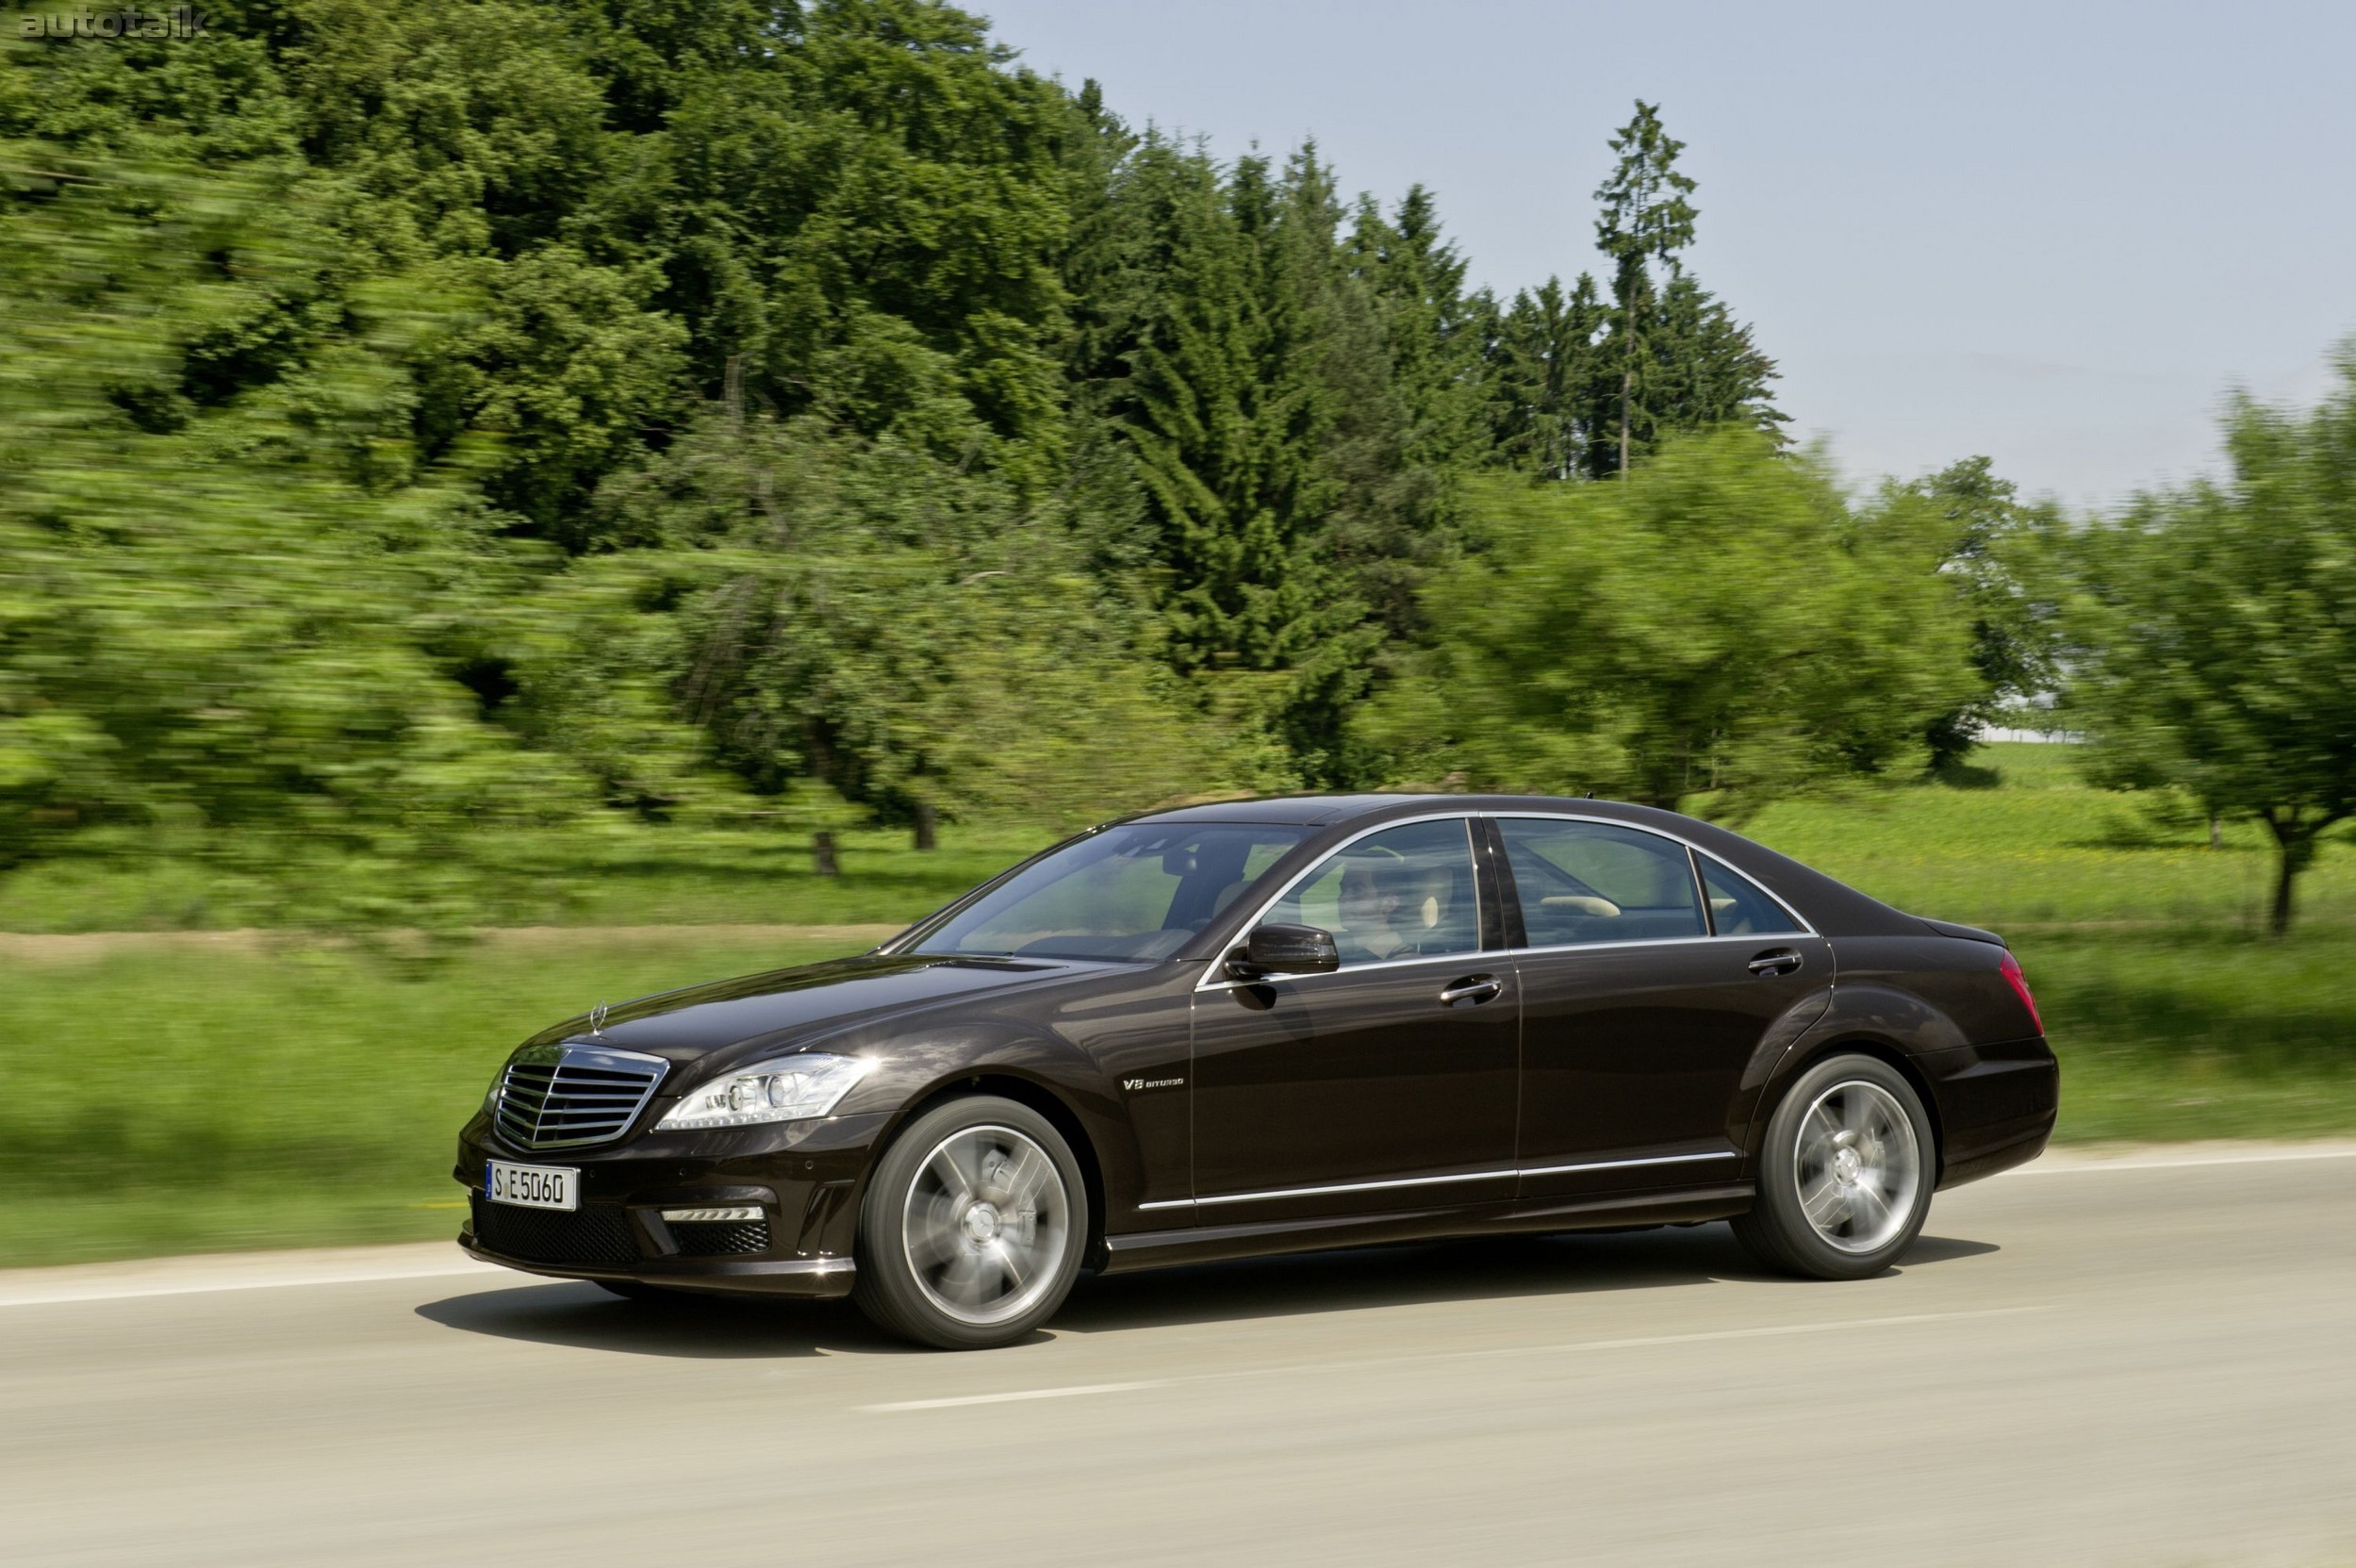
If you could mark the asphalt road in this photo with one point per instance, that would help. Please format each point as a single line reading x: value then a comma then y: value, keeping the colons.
x: 2130, y: 1363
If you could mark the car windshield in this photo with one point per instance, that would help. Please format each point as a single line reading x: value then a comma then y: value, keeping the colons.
x: 1137, y: 891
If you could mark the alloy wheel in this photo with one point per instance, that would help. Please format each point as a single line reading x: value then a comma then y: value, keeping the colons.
x: 1858, y: 1166
x: 986, y: 1225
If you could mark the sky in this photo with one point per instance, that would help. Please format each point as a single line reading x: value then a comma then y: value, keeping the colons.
x: 2054, y: 235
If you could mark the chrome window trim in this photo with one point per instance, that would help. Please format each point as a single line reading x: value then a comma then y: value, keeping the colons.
x: 1214, y: 980
x: 1754, y: 939
x: 1516, y: 1171
x: 1383, y: 966
x: 1700, y: 881
x: 1695, y: 855
x: 1214, y: 977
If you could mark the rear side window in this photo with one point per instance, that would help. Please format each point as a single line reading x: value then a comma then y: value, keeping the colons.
x: 1738, y: 907
x: 1596, y: 881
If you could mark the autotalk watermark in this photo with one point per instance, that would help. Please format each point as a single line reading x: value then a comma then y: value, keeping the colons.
x: 177, y: 22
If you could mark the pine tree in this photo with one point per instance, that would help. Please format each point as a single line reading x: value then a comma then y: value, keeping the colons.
x: 1646, y: 221
x: 1197, y: 341
x: 1543, y: 372
x: 1705, y: 367
x: 1579, y: 386
x: 1430, y: 327
x: 1404, y: 362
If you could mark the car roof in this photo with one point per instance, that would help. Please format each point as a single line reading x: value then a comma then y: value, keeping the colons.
x: 1318, y: 811
x: 1313, y: 811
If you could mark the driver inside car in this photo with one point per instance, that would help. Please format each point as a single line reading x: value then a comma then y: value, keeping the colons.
x: 1388, y: 908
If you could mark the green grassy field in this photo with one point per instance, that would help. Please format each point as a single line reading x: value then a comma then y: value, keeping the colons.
x: 158, y: 1100
x: 633, y: 876
x: 156, y: 1096
x: 2028, y: 844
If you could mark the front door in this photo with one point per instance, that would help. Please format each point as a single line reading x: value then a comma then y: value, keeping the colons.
x: 1650, y: 979
x: 1388, y: 1085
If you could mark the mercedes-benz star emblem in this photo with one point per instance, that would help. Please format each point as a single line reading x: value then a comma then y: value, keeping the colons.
x: 597, y: 1018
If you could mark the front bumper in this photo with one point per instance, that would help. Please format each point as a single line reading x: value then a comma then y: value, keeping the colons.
x: 805, y: 1177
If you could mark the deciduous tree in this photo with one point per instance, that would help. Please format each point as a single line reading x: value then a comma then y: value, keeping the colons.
x: 1721, y: 625
x: 2211, y: 640
x: 1992, y: 537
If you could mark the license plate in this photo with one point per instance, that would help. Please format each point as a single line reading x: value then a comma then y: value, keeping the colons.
x: 532, y: 1186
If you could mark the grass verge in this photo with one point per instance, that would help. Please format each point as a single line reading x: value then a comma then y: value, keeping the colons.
x: 161, y: 1101
x: 2199, y: 1033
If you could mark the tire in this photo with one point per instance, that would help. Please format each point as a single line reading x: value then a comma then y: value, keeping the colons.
x: 632, y: 1290
x: 972, y: 1227
x: 1845, y: 1173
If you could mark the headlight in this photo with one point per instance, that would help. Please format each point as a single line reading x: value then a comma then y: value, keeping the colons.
x: 784, y: 1090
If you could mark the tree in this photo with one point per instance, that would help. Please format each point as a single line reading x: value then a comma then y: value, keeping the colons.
x: 1403, y: 365
x: 825, y: 610
x: 1247, y: 377
x: 2210, y: 641
x: 793, y: 404
x: 1705, y: 367
x: 1431, y: 328
x: 219, y: 606
x: 1646, y: 221
x: 1543, y: 373
x: 1720, y: 624
x: 1989, y: 530
x: 1582, y: 385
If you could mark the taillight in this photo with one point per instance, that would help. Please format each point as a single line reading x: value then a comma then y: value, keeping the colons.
x: 2010, y: 969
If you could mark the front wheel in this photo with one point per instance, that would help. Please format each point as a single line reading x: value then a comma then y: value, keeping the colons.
x: 1845, y: 1173
x: 971, y: 1231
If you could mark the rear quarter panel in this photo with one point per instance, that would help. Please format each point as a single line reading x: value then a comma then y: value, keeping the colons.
x: 1939, y: 1008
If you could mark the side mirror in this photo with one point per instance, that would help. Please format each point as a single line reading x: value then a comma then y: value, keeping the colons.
x: 1284, y: 951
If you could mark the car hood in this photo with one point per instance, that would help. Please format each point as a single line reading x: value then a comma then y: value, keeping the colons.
x: 685, y: 1025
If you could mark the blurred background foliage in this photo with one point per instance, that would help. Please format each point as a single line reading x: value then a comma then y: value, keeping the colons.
x: 424, y: 423
x: 420, y: 423
x: 1721, y: 625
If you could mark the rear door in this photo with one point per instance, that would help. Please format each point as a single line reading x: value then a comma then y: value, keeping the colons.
x: 1649, y: 976
x: 1387, y: 1084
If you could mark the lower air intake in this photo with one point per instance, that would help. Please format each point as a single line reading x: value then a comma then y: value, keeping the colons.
x: 598, y: 1234
x: 709, y: 1240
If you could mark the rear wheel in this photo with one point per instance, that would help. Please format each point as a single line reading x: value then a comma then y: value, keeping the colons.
x: 971, y: 1230
x: 1845, y: 1173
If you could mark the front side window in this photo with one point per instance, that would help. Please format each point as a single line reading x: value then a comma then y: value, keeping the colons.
x: 1406, y: 892
x: 1597, y: 882
x: 1137, y: 891
x: 1738, y: 907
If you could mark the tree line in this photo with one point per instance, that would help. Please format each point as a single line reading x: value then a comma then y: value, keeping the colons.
x: 420, y: 420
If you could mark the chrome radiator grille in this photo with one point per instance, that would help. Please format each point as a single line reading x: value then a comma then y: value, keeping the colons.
x: 563, y: 1096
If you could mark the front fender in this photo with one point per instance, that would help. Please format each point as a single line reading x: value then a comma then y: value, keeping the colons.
x: 1063, y: 1080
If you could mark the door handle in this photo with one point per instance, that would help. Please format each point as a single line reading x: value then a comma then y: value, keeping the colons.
x: 1783, y: 960
x: 1472, y: 988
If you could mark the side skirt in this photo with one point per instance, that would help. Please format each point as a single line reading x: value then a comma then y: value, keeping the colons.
x: 1205, y: 1243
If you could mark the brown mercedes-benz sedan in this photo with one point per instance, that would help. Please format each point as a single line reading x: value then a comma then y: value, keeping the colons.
x: 1263, y: 1025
